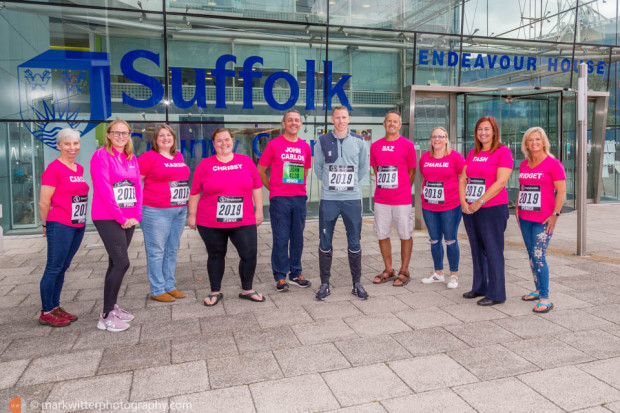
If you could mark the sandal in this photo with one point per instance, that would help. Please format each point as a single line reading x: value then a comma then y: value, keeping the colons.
x: 218, y: 297
x: 548, y: 308
x: 250, y: 295
x: 531, y: 297
x: 385, y: 276
x: 402, y: 279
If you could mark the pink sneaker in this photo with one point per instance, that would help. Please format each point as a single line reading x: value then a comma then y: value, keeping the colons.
x: 112, y: 323
x: 122, y: 314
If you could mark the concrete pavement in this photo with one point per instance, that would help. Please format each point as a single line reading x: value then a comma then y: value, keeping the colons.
x: 419, y: 348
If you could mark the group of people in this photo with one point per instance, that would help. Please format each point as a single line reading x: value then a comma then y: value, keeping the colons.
x: 225, y: 202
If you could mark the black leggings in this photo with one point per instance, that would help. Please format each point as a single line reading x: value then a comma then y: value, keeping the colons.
x: 116, y: 241
x: 216, y: 241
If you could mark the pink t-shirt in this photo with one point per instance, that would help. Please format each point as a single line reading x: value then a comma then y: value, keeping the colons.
x: 165, y: 180
x: 70, y: 199
x: 536, y: 190
x: 226, y: 188
x: 117, y: 189
x: 288, y: 162
x: 440, y: 189
x: 482, y: 173
x: 393, y: 159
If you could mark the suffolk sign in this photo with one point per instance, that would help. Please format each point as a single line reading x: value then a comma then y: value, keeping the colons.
x: 62, y: 87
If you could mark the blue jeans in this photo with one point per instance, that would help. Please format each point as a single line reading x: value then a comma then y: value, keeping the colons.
x: 536, y: 241
x: 63, y: 242
x: 288, y: 220
x: 351, y: 212
x: 485, y: 230
x: 444, y: 224
x: 162, y: 229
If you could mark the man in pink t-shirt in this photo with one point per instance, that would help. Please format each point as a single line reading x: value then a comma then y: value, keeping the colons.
x: 393, y: 159
x: 289, y: 159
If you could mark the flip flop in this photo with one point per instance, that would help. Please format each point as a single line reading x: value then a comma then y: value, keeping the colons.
x: 218, y: 297
x: 546, y: 310
x: 535, y: 296
x: 250, y: 295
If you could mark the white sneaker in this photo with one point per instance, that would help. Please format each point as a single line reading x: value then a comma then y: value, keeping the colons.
x: 433, y: 278
x: 454, y: 282
x: 112, y: 323
x: 122, y: 314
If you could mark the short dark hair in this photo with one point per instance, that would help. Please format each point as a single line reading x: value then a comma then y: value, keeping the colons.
x: 219, y: 130
x: 290, y: 111
x: 394, y: 111
x: 158, y: 128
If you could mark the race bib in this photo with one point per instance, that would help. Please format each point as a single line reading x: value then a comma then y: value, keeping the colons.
x: 78, y: 209
x: 434, y: 193
x: 179, y: 193
x: 474, y: 190
x: 229, y: 209
x: 387, y: 177
x: 530, y: 198
x: 125, y: 194
x: 293, y: 173
x: 341, y: 178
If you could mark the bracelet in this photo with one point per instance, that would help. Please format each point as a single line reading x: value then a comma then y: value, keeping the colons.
x: 557, y: 214
x: 481, y: 201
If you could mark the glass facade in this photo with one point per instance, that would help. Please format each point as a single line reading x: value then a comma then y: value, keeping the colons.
x: 241, y: 64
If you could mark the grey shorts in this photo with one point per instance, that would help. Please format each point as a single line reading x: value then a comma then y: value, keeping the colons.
x: 400, y: 215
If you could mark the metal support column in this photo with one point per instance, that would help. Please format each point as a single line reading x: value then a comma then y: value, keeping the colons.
x: 582, y: 141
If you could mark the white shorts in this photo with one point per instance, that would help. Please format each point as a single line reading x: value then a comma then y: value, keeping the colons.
x: 400, y: 215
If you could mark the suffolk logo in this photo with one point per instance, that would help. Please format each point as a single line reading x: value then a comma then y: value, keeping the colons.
x: 62, y: 88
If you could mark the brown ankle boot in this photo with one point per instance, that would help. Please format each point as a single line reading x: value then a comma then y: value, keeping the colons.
x: 176, y: 293
x: 164, y: 298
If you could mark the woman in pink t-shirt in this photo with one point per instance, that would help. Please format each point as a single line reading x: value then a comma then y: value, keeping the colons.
x: 441, y: 168
x: 542, y: 188
x: 484, y: 200
x: 226, y: 202
x: 62, y: 206
x: 166, y: 193
x: 116, y: 210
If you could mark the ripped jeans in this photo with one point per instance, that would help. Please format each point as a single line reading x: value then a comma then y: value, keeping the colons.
x: 444, y: 224
x: 536, y: 241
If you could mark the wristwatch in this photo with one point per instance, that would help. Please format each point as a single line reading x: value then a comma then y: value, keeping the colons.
x: 481, y: 201
x: 557, y: 214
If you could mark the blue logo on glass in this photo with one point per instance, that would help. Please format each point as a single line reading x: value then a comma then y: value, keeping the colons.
x: 61, y: 88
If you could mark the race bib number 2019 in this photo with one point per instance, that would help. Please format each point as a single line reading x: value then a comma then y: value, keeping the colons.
x: 229, y: 209
x: 341, y: 178
x: 125, y: 194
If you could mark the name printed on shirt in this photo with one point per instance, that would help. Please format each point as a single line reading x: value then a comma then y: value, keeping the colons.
x: 174, y: 164
x: 387, y: 149
x: 293, y: 154
x: 76, y: 179
x: 531, y: 175
x: 227, y: 167
x: 480, y: 159
x: 436, y: 164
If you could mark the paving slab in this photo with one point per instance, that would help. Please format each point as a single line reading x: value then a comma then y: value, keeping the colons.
x: 492, y: 362
x: 243, y: 369
x: 323, y: 331
x: 154, y: 331
x: 31, y: 397
x: 61, y: 367
x: 91, y: 391
x: 227, y: 323
x: 271, y: 396
x: 92, y: 339
x: 577, y: 319
x: 571, y: 388
x: 12, y: 370
x: 604, y: 370
x: 431, y: 372
x: 481, y: 333
x: 365, y: 384
x: 332, y: 310
x: 361, y: 408
x: 427, y: 317
x: 39, y: 346
x: 126, y: 358
x: 424, y: 299
x: 530, y: 326
x: 374, y: 325
x: 504, y: 395
x: 315, y: 358
x: 435, y: 401
x: 469, y: 313
x: 166, y: 381
x: 429, y: 341
x: 203, y: 346
x: 597, y: 343
x: 232, y: 399
x: 372, y: 350
x: 548, y: 352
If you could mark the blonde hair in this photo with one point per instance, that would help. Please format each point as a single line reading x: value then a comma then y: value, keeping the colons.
x: 128, y: 149
x: 545, y: 139
x: 432, y: 150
